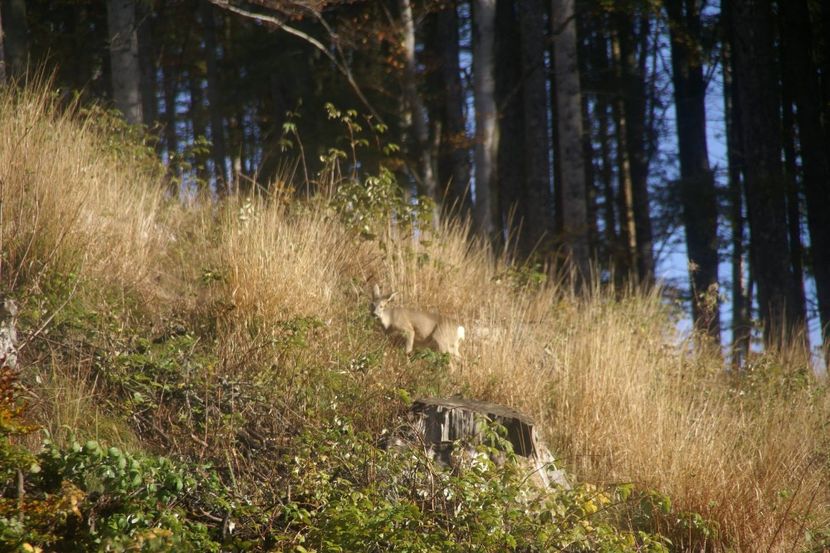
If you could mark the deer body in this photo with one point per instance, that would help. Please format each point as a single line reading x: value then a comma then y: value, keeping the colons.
x: 430, y: 328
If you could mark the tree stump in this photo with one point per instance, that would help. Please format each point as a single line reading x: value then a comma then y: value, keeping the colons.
x: 443, y: 421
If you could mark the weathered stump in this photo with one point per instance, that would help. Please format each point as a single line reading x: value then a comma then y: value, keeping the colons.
x: 443, y: 421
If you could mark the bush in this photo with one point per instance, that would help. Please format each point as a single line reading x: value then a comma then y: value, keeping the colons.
x: 345, y: 494
x: 84, y: 498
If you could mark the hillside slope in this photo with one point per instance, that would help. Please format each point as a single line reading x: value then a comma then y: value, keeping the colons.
x: 235, y: 338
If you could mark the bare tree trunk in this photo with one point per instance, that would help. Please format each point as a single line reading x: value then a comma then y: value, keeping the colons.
x: 598, y: 61
x: 454, y: 155
x: 607, y: 176
x: 197, y: 121
x: 591, y: 190
x: 2, y: 52
x: 803, y: 76
x: 417, y: 114
x: 217, y: 125
x: 756, y: 86
x: 824, y: 60
x: 537, y: 231
x: 147, y: 62
x: 592, y: 193
x: 556, y: 162
x: 793, y: 204
x: 126, y: 73
x: 170, y: 115
x: 570, y: 136
x: 510, y: 169
x: 734, y: 147
x: 697, y: 186
x: 486, y: 139
x: 625, y: 195
x: 239, y: 159
x: 635, y: 95
x: 15, y: 32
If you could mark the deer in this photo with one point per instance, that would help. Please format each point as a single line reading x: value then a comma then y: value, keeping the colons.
x: 436, y: 331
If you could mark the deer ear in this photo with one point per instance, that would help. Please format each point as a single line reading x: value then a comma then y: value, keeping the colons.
x: 376, y: 292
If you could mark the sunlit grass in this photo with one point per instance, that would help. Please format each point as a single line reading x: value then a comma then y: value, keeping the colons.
x: 617, y: 393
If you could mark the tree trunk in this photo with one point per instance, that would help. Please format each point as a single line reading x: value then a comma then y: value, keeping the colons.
x: 217, y: 126
x: 824, y: 63
x: 453, y: 150
x: 556, y: 158
x: 147, y: 62
x: 2, y: 53
x: 607, y: 177
x: 126, y: 74
x: 15, y: 32
x: 625, y: 195
x: 803, y: 76
x: 237, y: 141
x: 760, y: 121
x: 697, y: 186
x: 571, y: 146
x: 591, y: 191
x: 537, y: 229
x: 170, y: 116
x: 793, y: 203
x: 197, y: 121
x: 419, y: 128
x: 734, y: 147
x: 598, y: 60
x: 486, y: 139
x: 510, y: 168
x: 634, y: 88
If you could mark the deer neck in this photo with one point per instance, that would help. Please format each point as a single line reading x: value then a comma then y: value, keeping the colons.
x: 385, y: 317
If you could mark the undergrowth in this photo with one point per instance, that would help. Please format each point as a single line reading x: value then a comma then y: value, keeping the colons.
x: 206, y: 375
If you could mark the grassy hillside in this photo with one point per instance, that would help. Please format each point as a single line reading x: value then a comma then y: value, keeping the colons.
x: 235, y: 339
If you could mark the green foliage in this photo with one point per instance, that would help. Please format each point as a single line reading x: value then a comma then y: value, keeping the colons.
x: 172, y: 370
x: 369, y: 206
x: 88, y: 497
x: 529, y: 276
x: 128, y: 143
x: 817, y: 539
x: 336, y: 491
x: 651, y: 510
x: 189, y: 162
x: 347, y: 495
x: 294, y: 333
x: 13, y: 424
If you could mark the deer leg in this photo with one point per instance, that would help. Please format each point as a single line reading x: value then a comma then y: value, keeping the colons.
x: 410, y: 339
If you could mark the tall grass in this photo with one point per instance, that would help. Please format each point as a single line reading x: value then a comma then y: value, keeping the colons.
x: 73, y: 201
x: 620, y: 396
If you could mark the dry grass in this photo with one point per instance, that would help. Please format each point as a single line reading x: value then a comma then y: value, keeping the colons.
x: 620, y: 396
x: 68, y: 205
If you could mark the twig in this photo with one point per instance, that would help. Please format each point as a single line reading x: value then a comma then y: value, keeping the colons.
x: 282, y: 25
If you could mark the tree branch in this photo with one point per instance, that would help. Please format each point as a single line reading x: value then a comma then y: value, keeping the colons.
x: 275, y: 21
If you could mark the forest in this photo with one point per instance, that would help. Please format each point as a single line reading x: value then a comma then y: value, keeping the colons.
x: 621, y: 200
x: 600, y: 153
